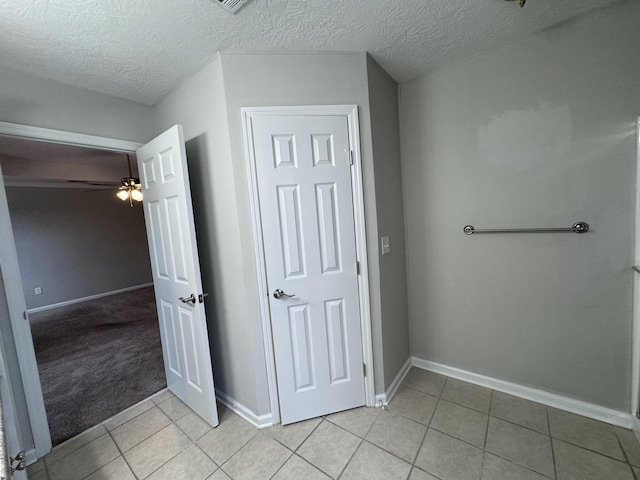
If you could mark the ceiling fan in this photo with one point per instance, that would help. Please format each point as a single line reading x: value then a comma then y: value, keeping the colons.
x: 130, y: 189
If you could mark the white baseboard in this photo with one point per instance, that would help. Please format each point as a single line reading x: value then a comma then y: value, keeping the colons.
x: 561, y: 402
x: 383, y: 399
x: 259, y: 421
x: 84, y: 299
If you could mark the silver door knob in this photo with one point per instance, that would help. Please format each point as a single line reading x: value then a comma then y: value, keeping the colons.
x: 280, y: 294
x: 190, y: 299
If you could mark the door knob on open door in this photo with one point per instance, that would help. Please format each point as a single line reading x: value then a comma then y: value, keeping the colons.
x: 190, y: 299
x: 280, y: 294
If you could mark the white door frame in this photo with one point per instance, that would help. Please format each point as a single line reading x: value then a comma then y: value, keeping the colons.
x: 351, y: 112
x: 635, y: 347
x: 13, y: 284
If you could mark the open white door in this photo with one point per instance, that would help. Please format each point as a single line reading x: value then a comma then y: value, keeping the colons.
x: 303, y: 172
x: 16, y: 342
x: 162, y: 164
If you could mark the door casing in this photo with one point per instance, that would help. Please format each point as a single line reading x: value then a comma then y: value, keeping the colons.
x: 13, y: 284
x: 351, y: 112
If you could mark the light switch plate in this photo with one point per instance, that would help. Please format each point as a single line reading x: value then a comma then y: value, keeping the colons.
x: 385, y: 247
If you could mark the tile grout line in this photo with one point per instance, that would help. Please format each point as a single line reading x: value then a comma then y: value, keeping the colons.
x: 346, y: 465
x: 122, y: 454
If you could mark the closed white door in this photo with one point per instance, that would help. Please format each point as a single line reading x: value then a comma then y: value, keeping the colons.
x: 303, y: 174
x: 168, y: 213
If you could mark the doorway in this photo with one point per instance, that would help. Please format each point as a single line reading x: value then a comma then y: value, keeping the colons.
x: 86, y: 275
x: 307, y: 207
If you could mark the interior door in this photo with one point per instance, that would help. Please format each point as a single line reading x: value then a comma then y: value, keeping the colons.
x: 19, y: 372
x: 162, y: 164
x: 303, y: 174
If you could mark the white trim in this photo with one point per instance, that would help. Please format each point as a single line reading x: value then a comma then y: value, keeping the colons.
x: 21, y: 331
x: 258, y: 421
x: 635, y: 343
x: 383, y: 399
x: 67, y: 138
x: 561, y: 402
x: 351, y: 112
x: 85, y: 299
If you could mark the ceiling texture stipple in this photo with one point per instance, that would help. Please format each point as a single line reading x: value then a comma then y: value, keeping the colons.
x: 140, y: 50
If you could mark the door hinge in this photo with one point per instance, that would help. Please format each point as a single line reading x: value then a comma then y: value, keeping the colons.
x: 350, y: 157
x: 24, y: 314
x: 357, y: 268
x: 364, y: 369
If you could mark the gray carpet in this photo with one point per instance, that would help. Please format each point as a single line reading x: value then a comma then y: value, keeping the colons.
x: 97, y: 358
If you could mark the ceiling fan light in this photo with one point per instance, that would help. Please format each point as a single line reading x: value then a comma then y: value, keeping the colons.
x: 136, y: 195
x: 123, y: 195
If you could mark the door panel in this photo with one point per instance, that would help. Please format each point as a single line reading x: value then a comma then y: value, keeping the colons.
x: 176, y: 272
x: 306, y: 205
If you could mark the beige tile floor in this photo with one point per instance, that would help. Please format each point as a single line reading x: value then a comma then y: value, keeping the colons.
x: 435, y: 428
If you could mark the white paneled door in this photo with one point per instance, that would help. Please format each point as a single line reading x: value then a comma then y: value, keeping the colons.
x: 303, y: 174
x: 162, y: 164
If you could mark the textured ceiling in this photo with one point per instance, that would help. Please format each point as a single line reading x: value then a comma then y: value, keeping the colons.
x: 141, y: 49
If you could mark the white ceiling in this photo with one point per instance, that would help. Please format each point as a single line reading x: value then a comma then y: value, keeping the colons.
x: 141, y: 49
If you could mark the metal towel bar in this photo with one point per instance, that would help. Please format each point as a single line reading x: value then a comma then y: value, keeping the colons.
x: 578, y: 227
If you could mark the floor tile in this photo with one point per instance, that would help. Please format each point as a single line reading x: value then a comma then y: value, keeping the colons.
x: 193, y: 425
x: 520, y: 445
x: 75, y: 443
x: 260, y: 458
x: 398, y: 435
x: 219, y: 475
x: 520, y: 411
x: 425, y: 381
x: 412, y: 404
x: 36, y: 467
x: 40, y: 475
x: 629, y: 444
x: 585, y: 432
x: 373, y: 463
x: 227, y: 438
x: 190, y: 464
x: 116, y: 470
x: 174, y: 408
x: 575, y: 463
x: 131, y: 433
x: 496, y: 468
x: 128, y: 414
x: 357, y: 420
x: 329, y: 448
x: 156, y: 450
x: 636, y: 470
x: 292, y: 436
x: 460, y: 422
x: 467, y: 394
x: 297, y: 468
x: 85, y: 460
x: 162, y: 396
x: 417, y: 474
x: 449, y: 458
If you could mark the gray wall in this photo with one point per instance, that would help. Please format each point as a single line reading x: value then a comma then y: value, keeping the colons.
x: 42, y: 103
x: 209, y: 108
x: 385, y: 137
x: 238, y: 360
x: 75, y: 243
x: 540, y: 133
